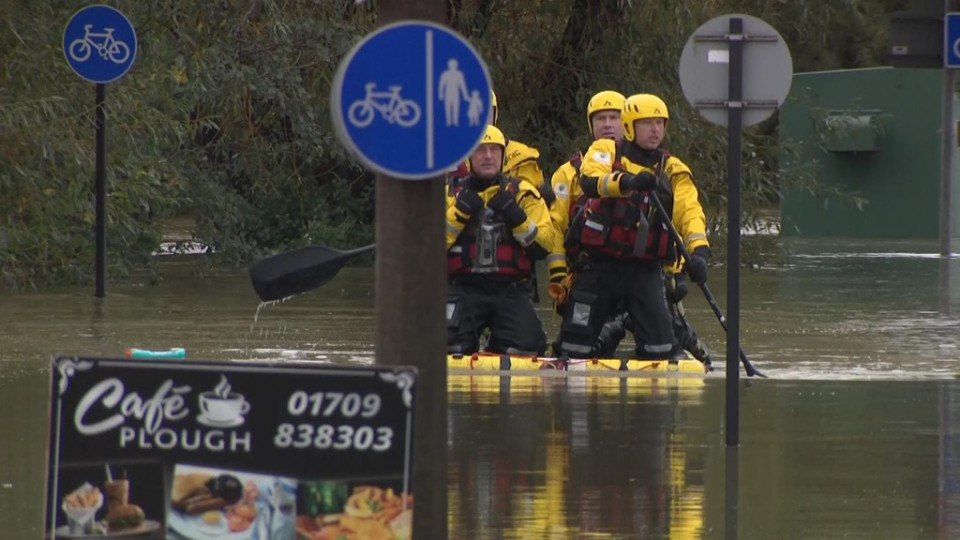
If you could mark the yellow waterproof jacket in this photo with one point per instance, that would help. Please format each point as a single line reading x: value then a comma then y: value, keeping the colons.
x: 520, y: 161
x: 687, y: 216
x: 566, y: 187
x: 537, y: 229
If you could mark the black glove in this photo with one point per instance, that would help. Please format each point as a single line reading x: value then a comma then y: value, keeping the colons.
x: 468, y: 202
x: 505, y: 205
x: 677, y: 290
x: 697, y: 264
x: 638, y: 182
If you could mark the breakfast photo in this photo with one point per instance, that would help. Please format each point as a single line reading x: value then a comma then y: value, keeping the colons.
x: 231, y: 505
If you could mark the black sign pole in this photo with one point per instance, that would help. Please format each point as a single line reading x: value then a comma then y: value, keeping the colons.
x: 734, y: 132
x: 100, y: 193
x: 946, y: 179
x: 410, y: 297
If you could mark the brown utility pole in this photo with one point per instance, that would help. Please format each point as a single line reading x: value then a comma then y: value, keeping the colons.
x: 410, y: 304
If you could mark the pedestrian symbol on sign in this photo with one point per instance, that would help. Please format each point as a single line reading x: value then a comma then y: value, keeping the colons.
x: 452, y: 89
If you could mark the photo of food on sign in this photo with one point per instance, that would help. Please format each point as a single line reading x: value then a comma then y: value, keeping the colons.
x: 339, y: 510
x: 101, y: 502
x: 230, y: 505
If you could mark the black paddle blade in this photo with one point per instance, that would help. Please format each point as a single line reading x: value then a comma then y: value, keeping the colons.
x: 299, y: 270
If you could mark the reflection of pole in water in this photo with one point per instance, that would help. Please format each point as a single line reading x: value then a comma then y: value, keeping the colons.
x: 948, y: 477
x: 732, y: 496
x: 99, y: 316
x: 945, y: 284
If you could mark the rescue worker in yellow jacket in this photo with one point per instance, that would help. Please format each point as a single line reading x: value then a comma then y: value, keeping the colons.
x: 603, y: 119
x: 618, y: 240
x: 497, y: 226
x: 519, y: 160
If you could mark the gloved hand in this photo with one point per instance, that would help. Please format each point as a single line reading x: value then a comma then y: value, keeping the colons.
x: 697, y: 264
x: 559, y: 290
x: 468, y: 202
x: 643, y: 181
x: 556, y: 288
x: 676, y: 288
x: 505, y: 205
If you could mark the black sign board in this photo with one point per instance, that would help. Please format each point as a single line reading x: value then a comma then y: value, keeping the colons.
x: 173, y: 449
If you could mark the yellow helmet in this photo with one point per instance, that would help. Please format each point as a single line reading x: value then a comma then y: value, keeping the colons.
x: 493, y: 107
x: 607, y: 100
x: 492, y: 135
x: 495, y: 136
x: 640, y: 106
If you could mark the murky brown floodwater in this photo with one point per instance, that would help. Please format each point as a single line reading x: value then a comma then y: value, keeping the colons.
x: 854, y: 436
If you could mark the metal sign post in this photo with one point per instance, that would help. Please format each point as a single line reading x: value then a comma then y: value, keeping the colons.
x: 951, y: 61
x: 412, y: 100
x: 100, y: 45
x: 736, y: 70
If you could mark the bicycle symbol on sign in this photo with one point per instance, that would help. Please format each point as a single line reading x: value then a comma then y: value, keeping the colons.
x: 110, y: 49
x: 392, y: 107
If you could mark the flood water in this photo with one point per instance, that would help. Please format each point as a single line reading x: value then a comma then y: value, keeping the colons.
x: 853, y: 436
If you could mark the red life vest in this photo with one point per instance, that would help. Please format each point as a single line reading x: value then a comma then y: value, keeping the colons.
x: 487, y: 245
x: 627, y: 227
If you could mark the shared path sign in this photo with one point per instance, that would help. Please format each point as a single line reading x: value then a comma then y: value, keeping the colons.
x: 411, y: 100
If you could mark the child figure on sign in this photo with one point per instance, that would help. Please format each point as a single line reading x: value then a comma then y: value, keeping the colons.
x: 475, y: 107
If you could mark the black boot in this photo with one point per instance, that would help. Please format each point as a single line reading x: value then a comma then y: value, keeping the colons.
x: 610, y: 336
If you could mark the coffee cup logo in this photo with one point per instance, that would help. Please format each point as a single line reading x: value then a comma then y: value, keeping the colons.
x: 221, y: 407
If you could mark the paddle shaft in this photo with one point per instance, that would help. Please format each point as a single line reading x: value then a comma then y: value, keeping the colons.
x: 358, y: 251
x: 747, y: 366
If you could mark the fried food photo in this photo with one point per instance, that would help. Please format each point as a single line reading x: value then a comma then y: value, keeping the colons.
x: 186, y: 486
x: 86, y: 496
x: 374, y: 502
x: 369, y: 513
x: 125, y: 517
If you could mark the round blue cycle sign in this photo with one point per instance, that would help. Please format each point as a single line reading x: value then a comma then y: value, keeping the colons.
x: 99, y: 43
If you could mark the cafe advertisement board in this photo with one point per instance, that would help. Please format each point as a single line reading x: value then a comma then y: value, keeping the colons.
x: 240, y: 450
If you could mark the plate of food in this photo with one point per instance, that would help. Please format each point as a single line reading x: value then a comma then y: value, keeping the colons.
x: 228, y: 505
x: 146, y: 528
x: 367, y: 512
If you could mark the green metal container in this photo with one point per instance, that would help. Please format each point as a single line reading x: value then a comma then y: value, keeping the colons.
x: 874, y: 133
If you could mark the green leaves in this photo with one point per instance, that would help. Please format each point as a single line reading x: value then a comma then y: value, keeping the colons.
x: 225, y: 116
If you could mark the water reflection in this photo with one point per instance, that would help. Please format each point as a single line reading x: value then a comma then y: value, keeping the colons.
x: 948, y: 500
x: 558, y: 457
x: 855, y: 435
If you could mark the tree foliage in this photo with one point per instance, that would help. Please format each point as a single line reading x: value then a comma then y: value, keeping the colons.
x: 225, y: 114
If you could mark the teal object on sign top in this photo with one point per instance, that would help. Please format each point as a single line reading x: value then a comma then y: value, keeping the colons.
x: 176, y: 352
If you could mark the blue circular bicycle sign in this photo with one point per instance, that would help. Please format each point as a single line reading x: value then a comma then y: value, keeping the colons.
x: 411, y: 100
x: 99, y: 43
